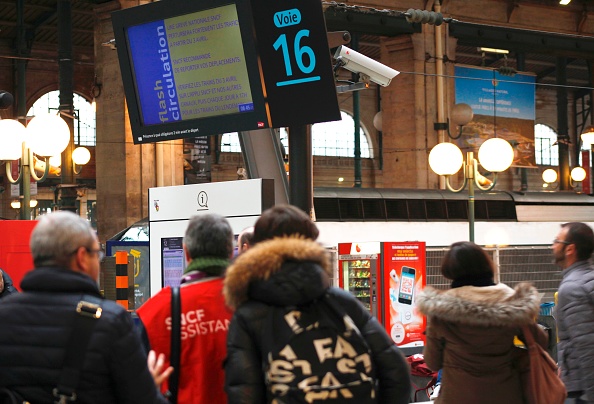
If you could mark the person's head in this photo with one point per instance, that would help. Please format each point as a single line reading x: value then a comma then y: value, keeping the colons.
x: 208, y: 235
x: 65, y: 239
x: 245, y: 239
x: 574, y: 242
x: 467, y: 261
x: 284, y: 220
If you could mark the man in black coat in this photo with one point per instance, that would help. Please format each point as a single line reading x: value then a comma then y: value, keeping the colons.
x: 6, y: 285
x: 37, y: 324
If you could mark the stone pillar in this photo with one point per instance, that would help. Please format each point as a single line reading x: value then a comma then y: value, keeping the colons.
x: 125, y: 171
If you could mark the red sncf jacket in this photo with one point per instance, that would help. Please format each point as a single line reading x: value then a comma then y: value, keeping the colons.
x: 204, y: 325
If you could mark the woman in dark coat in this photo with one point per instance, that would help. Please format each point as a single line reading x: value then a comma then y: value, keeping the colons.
x: 286, y: 268
x: 471, y: 329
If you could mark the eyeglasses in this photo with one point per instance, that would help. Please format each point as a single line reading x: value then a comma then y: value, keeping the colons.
x: 100, y: 253
x: 557, y: 241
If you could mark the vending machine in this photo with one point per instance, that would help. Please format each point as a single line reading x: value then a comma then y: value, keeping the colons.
x: 385, y: 277
x: 357, y: 273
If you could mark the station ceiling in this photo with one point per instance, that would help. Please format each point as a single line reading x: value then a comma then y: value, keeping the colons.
x: 539, y: 50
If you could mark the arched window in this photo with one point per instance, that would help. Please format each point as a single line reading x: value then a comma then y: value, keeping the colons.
x: 338, y: 138
x: 84, y: 114
x: 230, y: 143
x: 328, y: 139
x: 545, y: 150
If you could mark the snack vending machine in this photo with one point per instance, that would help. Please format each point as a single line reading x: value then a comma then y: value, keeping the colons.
x: 357, y: 272
x: 385, y: 277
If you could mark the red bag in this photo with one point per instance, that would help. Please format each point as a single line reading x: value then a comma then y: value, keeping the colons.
x: 542, y: 384
x: 422, y: 378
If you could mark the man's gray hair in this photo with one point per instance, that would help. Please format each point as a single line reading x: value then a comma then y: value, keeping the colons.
x: 57, y: 236
x: 209, y: 235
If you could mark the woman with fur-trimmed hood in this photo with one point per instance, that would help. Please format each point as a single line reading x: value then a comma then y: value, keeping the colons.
x: 286, y: 268
x: 471, y: 329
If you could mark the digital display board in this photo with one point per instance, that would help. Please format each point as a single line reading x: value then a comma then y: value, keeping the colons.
x: 189, y: 73
x: 173, y: 260
x: 200, y: 68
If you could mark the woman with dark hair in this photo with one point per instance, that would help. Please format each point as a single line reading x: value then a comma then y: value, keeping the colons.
x: 471, y: 329
x: 286, y: 272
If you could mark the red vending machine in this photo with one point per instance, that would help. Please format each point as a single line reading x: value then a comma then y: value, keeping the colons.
x: 385, y: 277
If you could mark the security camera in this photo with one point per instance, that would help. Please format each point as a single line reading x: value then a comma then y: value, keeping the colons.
x: 365, y: 66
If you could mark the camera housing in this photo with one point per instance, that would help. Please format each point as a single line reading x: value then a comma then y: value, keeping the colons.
x: 365, y: 66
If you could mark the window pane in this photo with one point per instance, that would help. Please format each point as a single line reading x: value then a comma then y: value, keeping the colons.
x: 230, y: 143
x: 338, y: 138
x: 328, y: 139
x: 545, y: 150
x: 85, y: 117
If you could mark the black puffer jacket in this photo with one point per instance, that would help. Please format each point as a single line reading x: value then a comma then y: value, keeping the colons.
x: 293, y: 272
x: 35, y: 329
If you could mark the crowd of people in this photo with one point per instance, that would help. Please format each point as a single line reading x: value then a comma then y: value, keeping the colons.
x: 268, y: 327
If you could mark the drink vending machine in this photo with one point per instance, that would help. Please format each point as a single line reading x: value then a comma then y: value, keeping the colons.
x: 385, y: 277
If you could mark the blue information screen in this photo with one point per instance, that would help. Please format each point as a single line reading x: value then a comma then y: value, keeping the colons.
x: 191, y: 66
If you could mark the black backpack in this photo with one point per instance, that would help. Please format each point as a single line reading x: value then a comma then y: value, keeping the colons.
x: 318, y: 355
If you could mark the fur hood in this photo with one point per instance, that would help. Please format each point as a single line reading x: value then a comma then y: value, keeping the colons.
x: 488, y: 306
x: 282, y: 271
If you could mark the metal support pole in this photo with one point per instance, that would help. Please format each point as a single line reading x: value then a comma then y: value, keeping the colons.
x: 26, y: 183
x: 22, y: 50
x: 300, y: 168
x: 470, y: 174
x: 562, y: 124
x: 66, y: 73
x: 521, y: 64
x: 356, y: 122
x: 439, y: 84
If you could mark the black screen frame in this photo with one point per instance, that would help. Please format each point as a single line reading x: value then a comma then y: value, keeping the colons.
x: 257, y: 119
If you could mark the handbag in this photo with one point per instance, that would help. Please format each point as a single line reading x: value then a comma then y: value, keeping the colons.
x: 542, y: 384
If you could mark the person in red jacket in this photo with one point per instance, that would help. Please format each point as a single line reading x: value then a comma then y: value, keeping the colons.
x: 208, y: 246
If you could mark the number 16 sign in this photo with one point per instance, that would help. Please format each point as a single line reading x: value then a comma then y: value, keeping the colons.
x: 296, y: 62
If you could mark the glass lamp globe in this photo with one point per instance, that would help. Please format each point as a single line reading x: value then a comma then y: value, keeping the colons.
x: 588, y: 136
x: 549, y: 175
x: 461, y: 114
x: 12, y: 135
x: 55, y: 161
x: 445, y: 159
x: 81, y: 156
x: 496, y: 155
x: 48, y: 135
x: 578, y: 174
x: 377, y: 121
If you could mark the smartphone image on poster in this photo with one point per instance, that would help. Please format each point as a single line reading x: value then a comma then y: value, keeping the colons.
x: 407, y: 285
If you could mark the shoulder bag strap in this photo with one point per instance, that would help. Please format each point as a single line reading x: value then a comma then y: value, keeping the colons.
x: 175, y: 353
x: 88, y: 310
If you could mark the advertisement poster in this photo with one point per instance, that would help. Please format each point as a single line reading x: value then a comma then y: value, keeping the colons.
x: 404, y: 272
x: 138, y: 251
x: 197, y: 160
x: 503, y: 106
